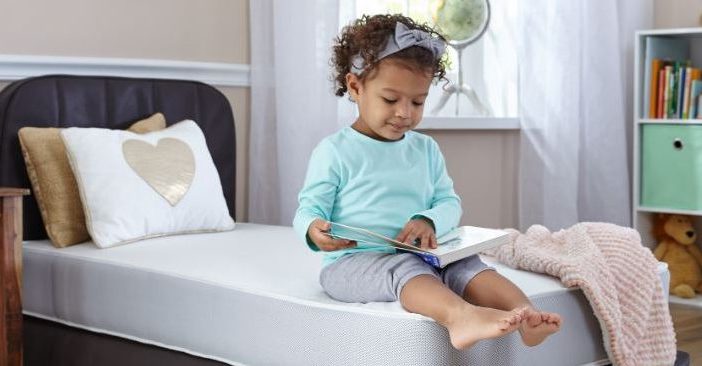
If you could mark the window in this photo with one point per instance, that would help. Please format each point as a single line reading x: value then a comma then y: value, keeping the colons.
x: 489, y: 64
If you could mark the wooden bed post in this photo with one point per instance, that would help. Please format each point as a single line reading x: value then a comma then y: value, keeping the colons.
x: 11, y: 275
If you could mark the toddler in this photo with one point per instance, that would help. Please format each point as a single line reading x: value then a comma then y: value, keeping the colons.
x: 381, y: 175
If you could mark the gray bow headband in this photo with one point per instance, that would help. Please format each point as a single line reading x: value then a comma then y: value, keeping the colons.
x: 403, y: 38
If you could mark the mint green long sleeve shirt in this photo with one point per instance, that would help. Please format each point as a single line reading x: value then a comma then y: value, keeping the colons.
x: 359, y: 181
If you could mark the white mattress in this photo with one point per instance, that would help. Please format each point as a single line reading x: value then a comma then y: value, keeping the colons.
x: 251, y: 296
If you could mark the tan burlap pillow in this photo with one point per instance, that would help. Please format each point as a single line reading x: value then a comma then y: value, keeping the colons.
x: 53, y: 183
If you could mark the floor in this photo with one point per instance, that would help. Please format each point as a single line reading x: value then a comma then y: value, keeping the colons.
x: 687, y: 321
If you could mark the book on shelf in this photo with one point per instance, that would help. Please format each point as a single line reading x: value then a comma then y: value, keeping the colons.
x: 663, y: 80
x: 667, y: 91
x: 676, y: 89
x: 686, y: 93
x: 663, y: 48
x: 696, y: 90
x: 673, y: 90
x: 655, y: 75
x: 692, y: 75
x: 675, y: 97
x: 457, y: 244
x: 679, y: 89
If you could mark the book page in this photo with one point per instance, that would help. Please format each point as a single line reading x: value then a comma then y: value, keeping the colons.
x: 366, y: 236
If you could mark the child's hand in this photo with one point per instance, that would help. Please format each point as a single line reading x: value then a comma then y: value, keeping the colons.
x: 418, y: 229
x: 317, y: 231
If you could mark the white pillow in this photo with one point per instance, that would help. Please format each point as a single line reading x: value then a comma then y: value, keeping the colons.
x: 137, y: 186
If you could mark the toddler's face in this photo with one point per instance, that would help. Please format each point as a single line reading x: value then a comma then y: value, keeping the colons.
x: 391, y: 101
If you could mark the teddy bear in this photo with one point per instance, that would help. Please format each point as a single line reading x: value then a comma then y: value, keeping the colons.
x: 676, y: 246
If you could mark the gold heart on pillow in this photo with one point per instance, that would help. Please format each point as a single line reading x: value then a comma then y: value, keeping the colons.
x: 168, y: 167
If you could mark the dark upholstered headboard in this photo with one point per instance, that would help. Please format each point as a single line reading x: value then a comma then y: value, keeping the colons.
x: 108, y: 102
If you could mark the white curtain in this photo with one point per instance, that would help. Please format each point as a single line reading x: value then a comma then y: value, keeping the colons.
x: 292, y: 102
x: 575, y: 72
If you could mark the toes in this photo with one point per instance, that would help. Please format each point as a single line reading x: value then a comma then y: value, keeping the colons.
x: 514, y: 319
x: 535, y: 319
x: 556, y: 319
x: 552, y: 318
x: 510, y: 321
x: 505, y: 324
x: 526, y: 312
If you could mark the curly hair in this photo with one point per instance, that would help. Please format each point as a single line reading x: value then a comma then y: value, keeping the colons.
x: 367, y: 36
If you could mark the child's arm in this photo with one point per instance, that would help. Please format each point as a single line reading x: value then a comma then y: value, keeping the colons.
x: 316, y: 199
x: 445, y: 211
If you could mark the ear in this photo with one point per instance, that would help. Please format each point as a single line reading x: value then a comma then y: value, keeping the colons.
x: 354, y: 86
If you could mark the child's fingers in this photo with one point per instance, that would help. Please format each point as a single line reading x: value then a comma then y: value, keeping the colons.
x: 425, y: 241
x: 342, y: 243
x: 418, y: 230
x: 326, y: 243
x: 428, y: 240
x: 321, y: 225
x: 403, y: 234
x: 410, y: 238
x: 351, y: 244
x: 338, y: 244
x: 318, y: 233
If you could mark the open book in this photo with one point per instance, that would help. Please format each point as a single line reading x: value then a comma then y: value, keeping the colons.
x: 459, y: 243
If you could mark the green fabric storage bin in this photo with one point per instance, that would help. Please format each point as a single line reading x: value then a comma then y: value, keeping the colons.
x: 671, y: 166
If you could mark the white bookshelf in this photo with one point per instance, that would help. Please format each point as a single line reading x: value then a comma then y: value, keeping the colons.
x: 641, y: 214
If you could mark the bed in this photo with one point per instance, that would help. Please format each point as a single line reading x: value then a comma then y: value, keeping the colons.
x: 249, y: 296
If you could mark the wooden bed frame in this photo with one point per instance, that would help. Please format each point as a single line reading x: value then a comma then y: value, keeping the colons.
x: 11, y: 275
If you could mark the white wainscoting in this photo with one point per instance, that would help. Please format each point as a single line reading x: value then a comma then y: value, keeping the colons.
x: 14, y: 67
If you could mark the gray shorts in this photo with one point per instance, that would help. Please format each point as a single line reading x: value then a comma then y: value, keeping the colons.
x: 370, y: 276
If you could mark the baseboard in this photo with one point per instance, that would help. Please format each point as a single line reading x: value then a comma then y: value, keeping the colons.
x: 14, y: 67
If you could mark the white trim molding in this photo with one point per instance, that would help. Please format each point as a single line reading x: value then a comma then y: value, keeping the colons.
x: 14, y: 67
x: 469, y: 123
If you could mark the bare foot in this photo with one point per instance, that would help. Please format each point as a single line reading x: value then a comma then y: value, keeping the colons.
x: 476, y: 323
x: 537, y: 325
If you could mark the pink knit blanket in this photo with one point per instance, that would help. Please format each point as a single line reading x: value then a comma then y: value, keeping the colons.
x: 619, y: 277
